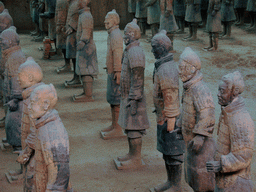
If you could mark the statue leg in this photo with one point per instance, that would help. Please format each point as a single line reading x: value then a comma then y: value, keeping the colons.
x: 86, y: 96
x: 237, y: 16
x: 194, y: 33
x: 75, y: 81
x: 229, y: 29
x: 66, y: 67
x: 215, y: 42
x: 154, y: 29
x: 111, y: 127
x: 129, y: 154
x: 190, y: 32
x: 210, y: 42
x: 142, y: 25
x: 173, y: 182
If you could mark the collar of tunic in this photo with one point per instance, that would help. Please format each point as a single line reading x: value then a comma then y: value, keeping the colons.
x: 132, y: 44
x: 26, y: 93
x: 46, y: 118
x: 198, y: 77
x: 236, y: 105
x: 113, y: 28
x: 9, y: 51
x: 162, y: 60
x: 84, y: 10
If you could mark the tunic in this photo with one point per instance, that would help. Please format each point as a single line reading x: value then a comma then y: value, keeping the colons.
x: 86, y: 58
x: 114, y: 64
x: 193, y: 15
x: 251, y: 6
x: 213, y: 24
x: 166, y: 102
x: 72, y: 21
x: 52, y: 149
x: 61, y: 17
x: 131, y: 6
x: 235, y: 146
x: 153, y: 12
x: 227, y: 11
x: 167, y: 23
x: 132, y: 88
x: 179, y: 8
x: 12, y: 90
x: 197, y: 118
x: 240, y: 4
x: 141, y: 12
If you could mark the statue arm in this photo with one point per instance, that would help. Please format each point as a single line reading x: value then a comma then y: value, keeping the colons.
x: 169, y: 5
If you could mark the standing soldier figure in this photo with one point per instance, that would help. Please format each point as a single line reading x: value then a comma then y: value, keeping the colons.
x: 133, y: 114
x: 235, y: 144
x: 166, y: 102
x: 61, y: 36
x: 179, y: 13
x: 86, y: 56
x: 153, y: 15
x: 227, y: 17
x: 193, y: 17
x: 197, y: 122
x: 114, y: 66
x: 167, y: 20
x: 213, y: 25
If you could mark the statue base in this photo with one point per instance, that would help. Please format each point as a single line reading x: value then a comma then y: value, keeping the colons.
x: 122, y: 135
x: 120, y: 167
x: 77, y: 99
x: 73, y: 85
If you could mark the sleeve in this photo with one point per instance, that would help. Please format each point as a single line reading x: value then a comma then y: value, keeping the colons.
x: 73, y: 15
x: 116, y: 44
x: 87, y: 28
x: 61, y: 13
x: 137, y: 83
x: 16, y: 91
x: 169, y: 5
x: 242, y: 144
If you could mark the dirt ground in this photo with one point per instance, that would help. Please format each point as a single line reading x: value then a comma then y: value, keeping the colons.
x: 91, y: 158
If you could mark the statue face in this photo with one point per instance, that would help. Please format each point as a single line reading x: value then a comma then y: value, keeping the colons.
x: 24, y: 80
x: 224, y: 94
x: 5, y: 44
x: 157, y: 50
x: 82, y: 4
x: 37, y: 107
x: 109, y: 23
x: 186, y: 71
x: 128, y: 37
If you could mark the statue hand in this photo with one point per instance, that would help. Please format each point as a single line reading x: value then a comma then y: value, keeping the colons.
x: 22, y: 158
x: 80, y: 45
x: 134, y: 105
x: 197, y: 143
x: 213, y: 166
x: 170, y: 124
x: 69, y: 31
x: 117, y: 77
x: 12, y: 104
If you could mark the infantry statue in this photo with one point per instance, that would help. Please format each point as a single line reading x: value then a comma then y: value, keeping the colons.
x: 14, y: 57
x: 197, y: 122
x: 240, y: 7
x: 235, y: 143
x: 61, y: 37
x: 166, y: 102
x: 153, y: 15
x: 133, y: 115
x: 113, y: 67
x: 167, y: 19
x: 193, y: 17
x: 213, y: 26
x: 227, y: 17
x: 86, y: 58
x: 251, y: 8
x: 51, y: 142
x: 179, y: 13
x: 141, y: 15
x: 71, y: 28
x: 30, y: 76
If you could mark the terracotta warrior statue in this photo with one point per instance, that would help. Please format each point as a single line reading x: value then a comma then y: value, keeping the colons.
x: 179, y: 13
x: 51, y: 143
x: 235, y: 146
x: 86, y: 60
x: 114, y: 66
x: 228, y: 16
x: 213, y: 26
x: 14, y: 57
x: 61, y: 14
x: 193, y: 17
x: 153, y: 15
x: 30, y: 76
x: 141, y: 15
x: 240, y: 7
x: 167, y: 19
x: 251, y: 8
x: 197, y: 122
x: 133, y: 115
x: 132, y: 7
x: 71, y: 28
x: 166, y: 102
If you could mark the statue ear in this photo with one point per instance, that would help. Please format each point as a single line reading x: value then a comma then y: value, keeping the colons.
x: 30, y: 77
x: 235, y: 91
x: 193, y: 70
x: 46, y: 104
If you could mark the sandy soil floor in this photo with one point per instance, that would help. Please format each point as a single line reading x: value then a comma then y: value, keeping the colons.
x: 91, y: 160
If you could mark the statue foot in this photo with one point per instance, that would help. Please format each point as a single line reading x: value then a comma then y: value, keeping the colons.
x: 82, y: 98
x: 107, y: 129
x: 125, y: 157
x: 73, y: 83
x: 133, y: 162
x: 15, y: 172
x: 191, y: 39
x: 163, y: 187
x: 212, y: 49
x: 63, y: 69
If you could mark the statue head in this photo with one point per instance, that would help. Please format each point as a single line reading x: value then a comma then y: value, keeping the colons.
x: 112, y: 19
x: 161, y: 44
x: 189, y: 64
x: 29, y: 73
x: 230, y: 87
x: 131, y: 32
x: 2, y: 7
x: 9, y: 38
x: 42, y: 99
x: 83, y: 3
